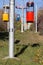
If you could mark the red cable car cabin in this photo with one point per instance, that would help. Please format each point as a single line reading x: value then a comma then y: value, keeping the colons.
x: 30, y: 12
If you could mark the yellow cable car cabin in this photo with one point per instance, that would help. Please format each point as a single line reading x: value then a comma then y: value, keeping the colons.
x: 5, y: 17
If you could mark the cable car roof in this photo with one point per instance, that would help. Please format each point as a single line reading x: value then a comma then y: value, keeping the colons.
x: 7, y: 6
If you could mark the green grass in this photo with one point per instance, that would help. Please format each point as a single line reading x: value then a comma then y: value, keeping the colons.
x: 23, y: 50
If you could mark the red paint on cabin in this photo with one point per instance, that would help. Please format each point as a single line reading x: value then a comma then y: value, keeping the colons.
x: 30, y: 17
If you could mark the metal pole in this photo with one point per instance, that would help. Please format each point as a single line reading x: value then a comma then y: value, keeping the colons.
x: 22, y: 20
x: 29, y: 24
x: 36, y: 18
x: 8, y: 26
x: 11, y: 30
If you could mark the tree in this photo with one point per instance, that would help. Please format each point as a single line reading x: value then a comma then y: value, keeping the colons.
x: 40, y: 20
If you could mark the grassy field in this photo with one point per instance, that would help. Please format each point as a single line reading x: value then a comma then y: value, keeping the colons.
x: 24, y: 49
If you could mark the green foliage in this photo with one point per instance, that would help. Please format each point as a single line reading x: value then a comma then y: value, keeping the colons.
x: 22, y: 49
x: 32, y: 27
x: 17, y: 25
x: 25, y: 53
x: 2, y: 29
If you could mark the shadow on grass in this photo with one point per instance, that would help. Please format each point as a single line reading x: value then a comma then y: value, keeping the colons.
x: 41, y: 33
x: 4, y: 35
x: 17, y: 41
x: 35, y: 45
x: 21, y: 51
x: 25, y: 47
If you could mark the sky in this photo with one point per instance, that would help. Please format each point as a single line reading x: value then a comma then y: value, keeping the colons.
x: 21, y: 3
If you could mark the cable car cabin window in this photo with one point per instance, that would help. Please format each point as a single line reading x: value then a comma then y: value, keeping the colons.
x: 29, y: 9
x: 27, y: 4
x: 32, y: 4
